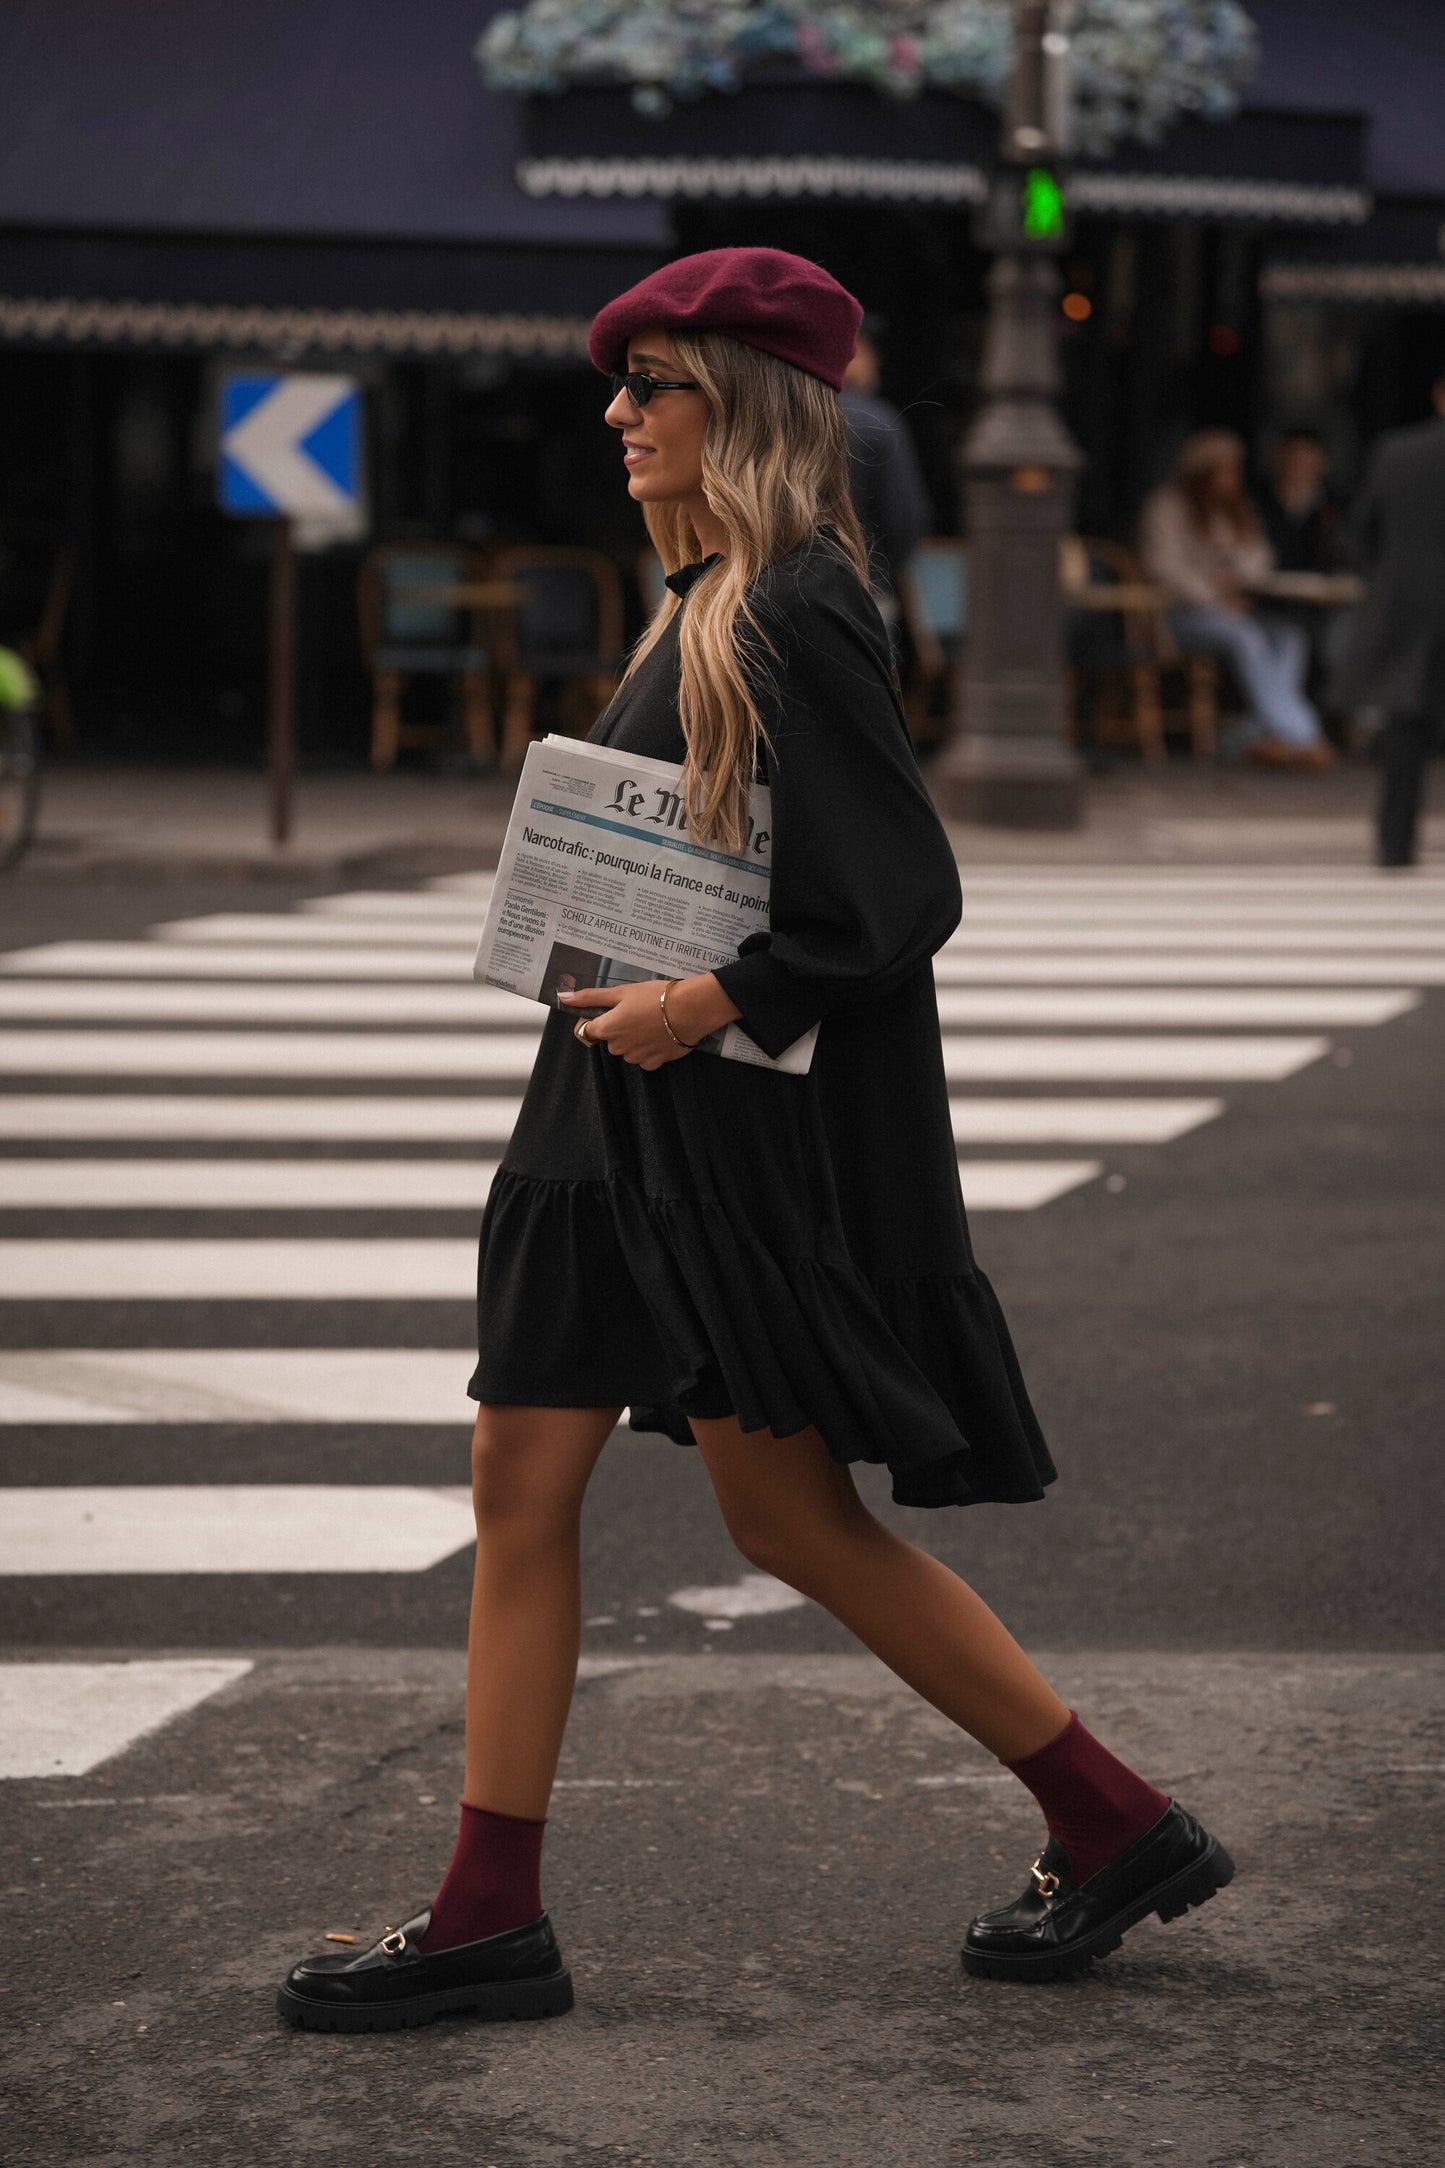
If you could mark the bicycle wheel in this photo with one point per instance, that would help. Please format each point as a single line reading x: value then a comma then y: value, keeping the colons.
x: 19, y: 784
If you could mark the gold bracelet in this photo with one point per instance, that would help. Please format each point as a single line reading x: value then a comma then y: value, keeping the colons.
x: 689, y: 1044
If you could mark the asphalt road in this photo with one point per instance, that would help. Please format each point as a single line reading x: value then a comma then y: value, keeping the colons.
x: 763, y: 1850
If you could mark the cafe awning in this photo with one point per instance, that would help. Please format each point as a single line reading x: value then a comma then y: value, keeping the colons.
x: 293, y: 176
x: 790, y: 140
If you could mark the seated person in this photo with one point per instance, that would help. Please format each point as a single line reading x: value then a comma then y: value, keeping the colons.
x: 1202, y: 541
x: 1302, y: 516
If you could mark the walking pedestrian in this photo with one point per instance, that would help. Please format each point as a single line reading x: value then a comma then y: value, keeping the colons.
x: 775, y: 1268
x: 1394, y: 652
x: 1202, y: 540
x: 886, y: 481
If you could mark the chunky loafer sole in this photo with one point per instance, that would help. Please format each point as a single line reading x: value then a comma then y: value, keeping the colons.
x: 397, y: 1983
x: 551, y: 1997
x: 1041, y: 1953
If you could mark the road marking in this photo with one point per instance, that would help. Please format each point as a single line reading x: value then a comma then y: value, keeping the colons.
x: 507, y: 1056
x: 204, y: 1115
x: 1021, y: 1185
x: 246, y: 1185
x: 405, y: 1185
x: 376, y: 1270
x: 1172, y: 880
x: 267, y: 927
x: 1077, y: 1121
x: 157, y: 959
x: 98, y: 1001
x: 1022, y: 904
x: 237, y: 1385
x: 384, y: 903
x: 1070, y: 930
x: 461, y: 884
x: 63, y: 1720
x: 1220, y: 968
x: 938, y: 1783
x: 79, y: 1117
x: 231, y: 1528
x: 752, y: 1595
x: 1054, y: 1060
x: 24, y: 1001
x: 1204, y: 964
x: 1160, y: 1005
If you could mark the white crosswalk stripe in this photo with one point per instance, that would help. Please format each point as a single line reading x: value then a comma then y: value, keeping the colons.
x: 211, y: 1117
x: 370, y: 1185
x: 1199, y: 965
x: 231, y: 1528
x: 236, y: 1385
x: 1083, y: 1013
x: 503, y: 1056
x: 65, y: 1719
x: 100, y: 1001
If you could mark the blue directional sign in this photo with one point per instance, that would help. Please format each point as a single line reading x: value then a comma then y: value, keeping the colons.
x: 290, y: 446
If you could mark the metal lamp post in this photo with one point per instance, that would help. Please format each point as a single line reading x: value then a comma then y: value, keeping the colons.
x: 1010, y: 763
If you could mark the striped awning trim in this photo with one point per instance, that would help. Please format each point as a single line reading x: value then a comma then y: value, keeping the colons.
x: 1159, y: 195
x: 880, y: 179
x: 74, y: 320
x: 1182, y: 195
x: 1394, y: 285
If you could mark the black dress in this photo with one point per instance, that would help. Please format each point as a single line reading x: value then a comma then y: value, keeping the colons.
x: 709, y: 1238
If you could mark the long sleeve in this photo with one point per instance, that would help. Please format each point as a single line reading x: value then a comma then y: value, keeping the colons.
x: 864, y: 885
x: 1252, y: 558
x: 1171, y: 555
x: 888, y: 489
x: 1365, y: 521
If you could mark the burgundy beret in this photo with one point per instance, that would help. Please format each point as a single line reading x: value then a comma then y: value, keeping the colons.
x: 785, y: 305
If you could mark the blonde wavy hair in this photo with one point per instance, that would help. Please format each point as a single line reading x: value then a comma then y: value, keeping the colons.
x: 774, y: 471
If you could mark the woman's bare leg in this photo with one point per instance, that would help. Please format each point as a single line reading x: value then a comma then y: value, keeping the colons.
x: 795, y: 1513
x: 530, y: 1469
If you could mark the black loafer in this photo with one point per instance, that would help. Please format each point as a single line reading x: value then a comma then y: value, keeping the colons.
x: 395, y: 1983
x: 1058, y: 1928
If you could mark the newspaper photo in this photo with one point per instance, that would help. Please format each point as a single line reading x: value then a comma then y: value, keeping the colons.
x: 601, y: 882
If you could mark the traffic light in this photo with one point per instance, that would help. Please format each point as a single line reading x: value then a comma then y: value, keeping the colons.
x: 1026, y: 208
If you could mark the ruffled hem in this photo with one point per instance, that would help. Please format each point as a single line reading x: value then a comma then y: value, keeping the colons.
x: 591, y: 1293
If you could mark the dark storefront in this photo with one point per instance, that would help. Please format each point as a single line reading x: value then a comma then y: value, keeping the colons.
x: 284, y: 187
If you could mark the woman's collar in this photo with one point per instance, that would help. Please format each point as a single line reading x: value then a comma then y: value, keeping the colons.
x: 682, y: 579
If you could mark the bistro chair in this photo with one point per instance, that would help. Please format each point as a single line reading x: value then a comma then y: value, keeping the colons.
x: 567, y: 626
x: 933, y: 597
x: 410, y: 627
x: 1122, y: 650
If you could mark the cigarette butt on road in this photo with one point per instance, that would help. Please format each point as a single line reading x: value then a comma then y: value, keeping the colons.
x: 340, y: 1938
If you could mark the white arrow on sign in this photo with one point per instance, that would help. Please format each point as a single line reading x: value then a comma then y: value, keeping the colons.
x: 268, y: 445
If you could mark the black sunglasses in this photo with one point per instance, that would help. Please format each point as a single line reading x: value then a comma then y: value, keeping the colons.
x: 639, y: 386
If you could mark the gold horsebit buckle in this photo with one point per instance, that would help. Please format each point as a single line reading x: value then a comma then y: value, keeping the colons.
x: 1046, y: 1884
x: 393, y: 1942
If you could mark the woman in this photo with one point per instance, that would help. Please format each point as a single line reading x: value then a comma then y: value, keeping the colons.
x: 774, y: 1267
x: 1204, y: 543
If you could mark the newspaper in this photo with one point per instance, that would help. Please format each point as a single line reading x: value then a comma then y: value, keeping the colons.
x: 601, y: 882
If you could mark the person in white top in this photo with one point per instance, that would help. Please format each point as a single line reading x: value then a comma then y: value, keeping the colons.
x: 1202, y: 541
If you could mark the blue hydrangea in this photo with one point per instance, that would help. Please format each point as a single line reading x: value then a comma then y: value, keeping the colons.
x: 1138, y: 64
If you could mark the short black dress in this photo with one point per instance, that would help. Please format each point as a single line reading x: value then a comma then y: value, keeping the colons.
x: 712, y: 1239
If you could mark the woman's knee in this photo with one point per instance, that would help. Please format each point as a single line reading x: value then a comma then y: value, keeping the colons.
x: 791, y: 1529
x: 530, y: 1466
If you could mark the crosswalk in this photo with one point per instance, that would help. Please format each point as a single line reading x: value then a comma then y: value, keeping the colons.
x: 305, y: 1108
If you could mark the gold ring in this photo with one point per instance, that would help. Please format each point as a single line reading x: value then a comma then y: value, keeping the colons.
x: 579, y: 1031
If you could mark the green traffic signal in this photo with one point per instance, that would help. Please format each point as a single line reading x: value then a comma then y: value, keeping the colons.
x: 1043, y: 205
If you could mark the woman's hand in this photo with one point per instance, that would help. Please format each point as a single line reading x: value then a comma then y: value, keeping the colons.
x: 627, y: 1020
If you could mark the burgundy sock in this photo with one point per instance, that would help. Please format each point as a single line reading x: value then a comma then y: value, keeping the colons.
x: 1093, y: 1803
x: 493, y: 1882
